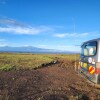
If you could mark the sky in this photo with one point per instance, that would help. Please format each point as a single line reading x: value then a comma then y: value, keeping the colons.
x: 51, y: 24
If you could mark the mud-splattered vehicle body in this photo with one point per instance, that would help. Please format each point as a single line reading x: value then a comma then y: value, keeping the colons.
x: 90, y: 60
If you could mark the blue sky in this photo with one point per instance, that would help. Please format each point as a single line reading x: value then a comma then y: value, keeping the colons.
x: 52, y: 24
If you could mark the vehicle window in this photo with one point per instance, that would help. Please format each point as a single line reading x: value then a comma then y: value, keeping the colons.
x: 89, y: 49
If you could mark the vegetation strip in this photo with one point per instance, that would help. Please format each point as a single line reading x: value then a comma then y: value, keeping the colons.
x: 17, y: 61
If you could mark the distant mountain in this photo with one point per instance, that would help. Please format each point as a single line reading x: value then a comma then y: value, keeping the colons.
x: 30, y: 49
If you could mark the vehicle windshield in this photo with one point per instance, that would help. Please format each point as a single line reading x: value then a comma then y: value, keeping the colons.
x: 89, y: 49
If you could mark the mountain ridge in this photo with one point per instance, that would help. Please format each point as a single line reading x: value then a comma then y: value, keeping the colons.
x: 31, y: 49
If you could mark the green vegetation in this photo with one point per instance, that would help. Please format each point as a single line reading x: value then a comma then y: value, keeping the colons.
x: 17, y: 61
x: 68, y: 57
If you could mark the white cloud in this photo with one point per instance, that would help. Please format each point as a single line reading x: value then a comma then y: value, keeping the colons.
x: 60, y: 35
x: 8, y: 25
x: 24, y: 30
x: 70, y: 35
x: 9, y: 21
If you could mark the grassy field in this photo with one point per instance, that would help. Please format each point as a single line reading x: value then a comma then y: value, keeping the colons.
x: 17, y: 61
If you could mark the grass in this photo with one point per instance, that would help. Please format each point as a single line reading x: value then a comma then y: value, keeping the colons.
x: 17, y: 61
x: 71, y: 57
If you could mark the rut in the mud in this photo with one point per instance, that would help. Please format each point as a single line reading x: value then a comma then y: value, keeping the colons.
x: 54, y: 82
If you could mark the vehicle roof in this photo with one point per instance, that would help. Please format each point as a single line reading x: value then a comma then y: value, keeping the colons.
x: 97, y: 39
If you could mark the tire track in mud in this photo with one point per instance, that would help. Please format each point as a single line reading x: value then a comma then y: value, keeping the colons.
x: 52, y: 82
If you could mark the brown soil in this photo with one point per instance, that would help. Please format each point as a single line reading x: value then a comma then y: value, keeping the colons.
x: 53, y: 82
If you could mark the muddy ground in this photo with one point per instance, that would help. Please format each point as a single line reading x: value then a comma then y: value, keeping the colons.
x: 52, y: 82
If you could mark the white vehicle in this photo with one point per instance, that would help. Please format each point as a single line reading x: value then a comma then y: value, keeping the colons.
x: 90, y: 60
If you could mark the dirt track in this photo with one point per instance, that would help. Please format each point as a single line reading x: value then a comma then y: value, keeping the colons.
x: 55, y: 82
